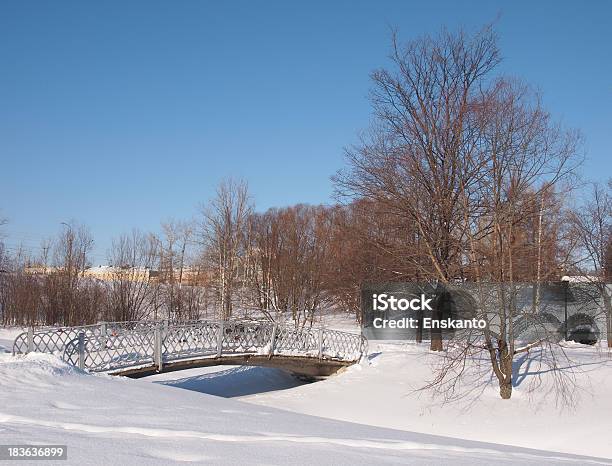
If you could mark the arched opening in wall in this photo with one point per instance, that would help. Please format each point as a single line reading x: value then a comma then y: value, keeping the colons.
x: 533, y: 327
x: 456, y: 304
x: 581, y: 328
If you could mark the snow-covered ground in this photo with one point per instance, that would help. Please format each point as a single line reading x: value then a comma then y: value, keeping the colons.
x: 7, y: 336
x: 106, y: 420
x: 384, y: 391
x: 111, y: 420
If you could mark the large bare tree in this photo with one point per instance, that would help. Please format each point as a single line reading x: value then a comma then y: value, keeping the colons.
x: 422, y: 157
x: 473, y: 162
x: 526, y: 157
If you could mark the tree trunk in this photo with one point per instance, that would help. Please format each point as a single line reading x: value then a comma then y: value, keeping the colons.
x: 505, y: 390
x: 419, y: 330
x: 607, y: 301
x: 436, y: 333
x: 505, y: 365
x: 436, y: 343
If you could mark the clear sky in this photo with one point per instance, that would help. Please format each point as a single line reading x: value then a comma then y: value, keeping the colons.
x: 122, y: 114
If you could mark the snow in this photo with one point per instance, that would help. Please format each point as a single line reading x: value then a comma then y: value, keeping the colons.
x: 228, y: 381
x: 371, y: 413
x: 384, y: 391
x: 106, y: 420
x: 7, y: 336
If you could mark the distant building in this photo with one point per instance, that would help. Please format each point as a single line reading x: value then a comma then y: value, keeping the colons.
x: 110, y: 273
x: 40, y: 269
x: 188, y: 276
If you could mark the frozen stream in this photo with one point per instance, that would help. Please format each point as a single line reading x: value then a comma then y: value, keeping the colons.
x: 228, y: 381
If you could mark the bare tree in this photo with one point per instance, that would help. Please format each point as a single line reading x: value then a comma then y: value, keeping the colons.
x: 223, y: 236
x: 46, y: 248
x: 3, y: 251
x: 56, y: 295
x: 133, y: 291
x: 593, y: 225
x: 263, y: 244
x: 72, y: 248
x: 422, y: 155
x: 290, y: 259
x: 367, y: 244
x: 526, y: 157
x: 64, y: 301
x: 473, y: 163
x: 180, y: 301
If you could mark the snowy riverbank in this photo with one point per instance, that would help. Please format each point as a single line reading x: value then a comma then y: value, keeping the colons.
x: 106, y: 420
x: 384, y: 391
x: 155, y: 420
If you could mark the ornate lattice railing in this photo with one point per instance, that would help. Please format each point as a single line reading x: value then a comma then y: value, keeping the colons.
x: 190, y: 340
x: 117, y: 345
x: 55, y: 339
x: 108, y: 352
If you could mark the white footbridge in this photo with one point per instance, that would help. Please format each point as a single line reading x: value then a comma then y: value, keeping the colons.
x: 145, y: 347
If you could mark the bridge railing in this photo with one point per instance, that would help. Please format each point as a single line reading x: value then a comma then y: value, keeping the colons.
x: 119, y: 345
x: 115, y: 351
x: 55, y: 339
x: 188, y: 340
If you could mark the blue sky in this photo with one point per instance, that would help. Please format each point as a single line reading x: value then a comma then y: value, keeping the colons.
x: 123, y: 114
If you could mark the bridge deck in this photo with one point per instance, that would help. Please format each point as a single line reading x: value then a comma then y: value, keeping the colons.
x: 299, y: 365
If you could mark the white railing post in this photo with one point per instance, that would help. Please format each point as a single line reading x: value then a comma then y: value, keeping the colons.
x: 220, y: 339
x: 30, y: 339
x: 362, y: 348
x: 81, y: 343
x: 157, y: 350
x: 321, y: 343
x: 273, y: 339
